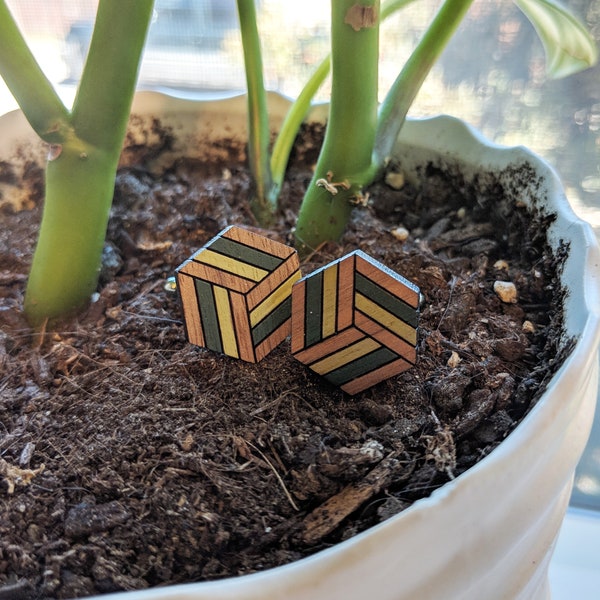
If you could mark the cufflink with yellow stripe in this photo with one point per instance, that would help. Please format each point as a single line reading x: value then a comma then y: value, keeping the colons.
x: 354, y: 321
x: 236, y: 293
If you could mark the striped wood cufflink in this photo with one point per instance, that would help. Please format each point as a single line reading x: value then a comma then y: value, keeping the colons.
x: 236, y: 293
x: 354, y: 321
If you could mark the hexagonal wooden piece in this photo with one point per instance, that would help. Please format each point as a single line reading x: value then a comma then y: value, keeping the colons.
x: 236, y: 293
x: 354, y: 321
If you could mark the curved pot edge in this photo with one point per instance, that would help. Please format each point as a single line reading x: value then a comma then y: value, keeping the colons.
x: 584, y: 357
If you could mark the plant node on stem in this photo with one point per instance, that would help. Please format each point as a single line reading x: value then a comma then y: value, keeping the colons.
x: 349, y: 138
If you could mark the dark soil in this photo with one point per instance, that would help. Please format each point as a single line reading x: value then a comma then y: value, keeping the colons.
x: 130, y: 459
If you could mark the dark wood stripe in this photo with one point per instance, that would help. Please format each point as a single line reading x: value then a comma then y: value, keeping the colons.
x: 272, y: 321
x: 208, y: 315
x: 245, y: 254
x: 361, y: 366
x: 385, y: 337
x: 386, y: 278
x: 313, y: 308
x: 273, y: 340
x: 388, y: 301
x: 366, y: 381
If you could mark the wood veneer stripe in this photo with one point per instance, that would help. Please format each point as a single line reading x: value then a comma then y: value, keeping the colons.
x: 208, y: 315
x: 225, y: 319
x: 385, y: 372
x: 189, y: 302
x: 386, y: 319
x: 230, y: 265
x: 388, y: 301
x: 361, y: 366
x: 245, y: 254
x: 344, y: 356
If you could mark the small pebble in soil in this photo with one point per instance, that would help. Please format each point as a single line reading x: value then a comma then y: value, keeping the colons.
x: 506, y: 291
x: 395, y: 179
x: 454, y: 360
x: 501, y: 265
x: 400, y: 233
x: 528, y: 327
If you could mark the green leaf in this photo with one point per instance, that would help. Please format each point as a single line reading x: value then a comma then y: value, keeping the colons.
x: 568, y: 45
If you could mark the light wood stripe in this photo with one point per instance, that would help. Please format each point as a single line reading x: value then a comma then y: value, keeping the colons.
x: 329, y: 310
x: 239, y: 311
x: 225, y: 318
x: 230, y: 265
x: 298, y: 299
x: 377, y: 375
x: 346, y: 355
x: 273, y: 300
x: 361, y: 366
x: 387, y: 279
x: 386, y: 319
x: 273, y: 340
x: 189, y: 302
x: 385, y: 337
x: 261, y: 242
x: 216, y: 276
x: 257, y: 294
x: 245, y: 254
x: 309, y: 355
x: 387, y: 301
x: 345, y: 295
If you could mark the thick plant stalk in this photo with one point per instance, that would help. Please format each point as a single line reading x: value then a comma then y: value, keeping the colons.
x: 300, y: 107
x: 83, y: 161
x: 262, y: 203
x: 345, y: 159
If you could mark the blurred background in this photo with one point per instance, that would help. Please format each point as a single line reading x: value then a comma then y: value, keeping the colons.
x: 491, y: 75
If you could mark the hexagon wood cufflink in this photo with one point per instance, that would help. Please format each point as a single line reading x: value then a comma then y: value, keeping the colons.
x: 354, y: 321
x: 236, y: 293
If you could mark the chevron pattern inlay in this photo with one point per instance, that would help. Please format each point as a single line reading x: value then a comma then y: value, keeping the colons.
x: 236, y: 293
x: 354, y: 321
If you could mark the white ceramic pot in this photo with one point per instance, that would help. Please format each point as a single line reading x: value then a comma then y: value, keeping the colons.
x: 488, y: 534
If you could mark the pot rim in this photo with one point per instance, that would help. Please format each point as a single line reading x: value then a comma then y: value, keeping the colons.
x: 583, y: 320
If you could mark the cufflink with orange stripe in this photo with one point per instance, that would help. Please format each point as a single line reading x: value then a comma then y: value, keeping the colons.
x: 236, y: 293
x: 354, y: 321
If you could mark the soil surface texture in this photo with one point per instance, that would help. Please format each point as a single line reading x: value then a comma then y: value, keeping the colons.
x: 130, y: 458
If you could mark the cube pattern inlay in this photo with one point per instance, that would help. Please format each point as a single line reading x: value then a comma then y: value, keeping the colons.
x: 354, y: 321
x: 236, y: 293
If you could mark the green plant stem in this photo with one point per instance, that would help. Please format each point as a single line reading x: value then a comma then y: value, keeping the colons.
x: 80, y: 176
x: 300, y: 107
x: 408, y: 83
x: 258, y: 122
x: 32, y: 90
x: 345, y: 157
x: 65, y: 268
x: 103, y: 101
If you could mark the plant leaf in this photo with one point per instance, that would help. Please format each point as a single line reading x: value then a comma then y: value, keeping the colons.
x: 568, y: 45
